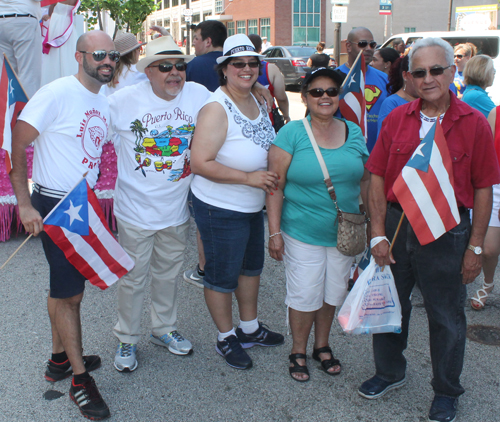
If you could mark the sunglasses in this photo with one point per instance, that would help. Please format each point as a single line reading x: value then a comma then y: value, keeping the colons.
x: 318, y: 92
x: 241, y: 65
x: 459, y: 56
x: 100, y: 55
x: 435, y: 71
x: 364, y: 43
x: 167, y: 67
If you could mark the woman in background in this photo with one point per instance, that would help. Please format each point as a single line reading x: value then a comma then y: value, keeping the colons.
x: 479, y: 73
x: 384, y: 58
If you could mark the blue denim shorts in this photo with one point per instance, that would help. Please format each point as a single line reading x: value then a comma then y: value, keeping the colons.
x: 233, y: 243
x: 65, y: 280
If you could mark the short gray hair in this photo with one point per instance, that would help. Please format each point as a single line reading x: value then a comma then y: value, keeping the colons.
x: 432, y: 42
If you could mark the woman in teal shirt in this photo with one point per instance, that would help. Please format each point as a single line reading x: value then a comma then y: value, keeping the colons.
x: 303, y: 219
x: 478, y: 75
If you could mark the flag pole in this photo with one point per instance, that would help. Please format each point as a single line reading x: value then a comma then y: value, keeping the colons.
x: 15, y: 75
x: 397, y: 231
x: 16, y: 251
x: 350, y: 70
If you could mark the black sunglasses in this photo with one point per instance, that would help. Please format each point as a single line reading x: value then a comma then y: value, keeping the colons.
x: 364, y: 43
x: 100, y: 55
x: 459, y: 56
x: 435, y: 71
x: 167, y: 67
x: 241, y: 65
x: 318, y: 92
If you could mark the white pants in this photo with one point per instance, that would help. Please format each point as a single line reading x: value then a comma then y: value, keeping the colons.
x: 314, y: 274
x: 21, y: 41
x: 162, y: 253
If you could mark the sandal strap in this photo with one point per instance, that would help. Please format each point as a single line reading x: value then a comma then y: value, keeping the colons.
x: 294, y: 356
x: 325, y: 349
x: 329, y: 363
x: 296, y: 368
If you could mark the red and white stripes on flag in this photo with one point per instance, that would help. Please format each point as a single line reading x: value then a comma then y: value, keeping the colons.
x: 78, y: 226
x: 352, y: 101
x: 425, y: 188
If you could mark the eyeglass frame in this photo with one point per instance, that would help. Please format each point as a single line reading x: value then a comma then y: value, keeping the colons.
x: 439, y: 69
x: 184, y: 65
x: 107, y: 54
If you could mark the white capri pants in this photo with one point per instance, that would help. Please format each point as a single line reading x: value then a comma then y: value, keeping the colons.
x: 314, y: 274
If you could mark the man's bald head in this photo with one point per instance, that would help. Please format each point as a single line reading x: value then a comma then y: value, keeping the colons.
x: 353, y: 38
x: 87, y: 41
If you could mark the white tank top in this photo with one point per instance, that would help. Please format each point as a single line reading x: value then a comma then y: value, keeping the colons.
x: 245, y: 148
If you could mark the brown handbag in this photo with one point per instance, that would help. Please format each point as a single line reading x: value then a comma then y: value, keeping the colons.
x: 351, y: 231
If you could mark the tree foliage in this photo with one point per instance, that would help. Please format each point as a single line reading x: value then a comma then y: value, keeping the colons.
x: 127, y: 14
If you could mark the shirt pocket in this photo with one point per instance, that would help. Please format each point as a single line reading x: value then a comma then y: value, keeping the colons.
x: 461, y: 164
x: 399, y: 154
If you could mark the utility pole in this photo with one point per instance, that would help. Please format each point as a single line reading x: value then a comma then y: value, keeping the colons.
x: 450, y: 14
x: 188, y: 28
x: 336, y: 42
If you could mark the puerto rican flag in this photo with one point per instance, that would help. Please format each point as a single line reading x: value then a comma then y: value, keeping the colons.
x: 78, y: 226
x: 352, y: 102
x: 425, y: 190
x: 12, y: 101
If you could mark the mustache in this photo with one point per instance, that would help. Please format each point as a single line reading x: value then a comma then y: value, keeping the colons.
x: 104, y: 66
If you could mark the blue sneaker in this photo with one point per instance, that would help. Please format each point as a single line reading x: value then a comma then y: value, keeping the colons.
x: 175, y: 342
x: 443, y: 409
x: 376, y: 387
x: 125, y: 357
x: 231, y: 350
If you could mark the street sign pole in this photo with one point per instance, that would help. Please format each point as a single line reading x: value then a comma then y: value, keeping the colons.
x: 339, y: 15
x: 188, y: 29
x: 336, y: 42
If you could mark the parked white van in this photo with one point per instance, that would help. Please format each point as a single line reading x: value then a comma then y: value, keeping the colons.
x: 487, y: 42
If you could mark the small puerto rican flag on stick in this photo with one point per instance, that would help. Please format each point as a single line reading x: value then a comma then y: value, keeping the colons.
x: 425, y: 188
x: 78, y: 226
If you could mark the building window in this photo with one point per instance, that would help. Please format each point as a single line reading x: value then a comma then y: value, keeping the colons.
x: 196, y: 17
x: 183, y: 1
x: 175, y: 3
x: 410, y: 29
x: 230, y: 29
x: 166, y: 4
x: 206, y: 15
x: 252, y: 27
x: 240, y: 27
x: 306, y: 22
x: 219, y: 6
x: 166, y: 23
x: 152, y: 23
x: 265, y: 28
x: 159, y: 4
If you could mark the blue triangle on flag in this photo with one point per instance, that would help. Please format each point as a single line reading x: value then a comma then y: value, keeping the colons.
x: 72, y: 213
x: 421, y: 157
x: 15, y: 92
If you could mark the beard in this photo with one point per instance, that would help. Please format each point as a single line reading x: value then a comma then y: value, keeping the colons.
x: 93, y: 72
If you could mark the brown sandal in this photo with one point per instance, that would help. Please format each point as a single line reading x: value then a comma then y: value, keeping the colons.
x: 326, y: 364
x: 296, y: 368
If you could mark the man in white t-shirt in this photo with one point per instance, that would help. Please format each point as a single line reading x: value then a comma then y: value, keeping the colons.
x: 150, y: 205
x: 68, y: 122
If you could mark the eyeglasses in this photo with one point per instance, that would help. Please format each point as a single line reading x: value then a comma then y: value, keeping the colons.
x: 318, y: 92
x: 435, y: 71
x: 364, y: 43
x: 459, y: 56
x: 100, y: 55
x: 241, y: 65
x: 167, y: 67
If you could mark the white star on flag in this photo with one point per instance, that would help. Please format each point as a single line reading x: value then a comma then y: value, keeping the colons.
x: 11, y: 87
x: 418, y: 151
x: 73, y: 212
x: 352, y: 80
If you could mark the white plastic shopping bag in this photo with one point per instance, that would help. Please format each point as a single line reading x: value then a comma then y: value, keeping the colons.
x: 372, y: 305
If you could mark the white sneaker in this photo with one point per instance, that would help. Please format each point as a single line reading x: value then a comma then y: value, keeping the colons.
x: 125, y: 360
x: 175, y: 343
x: 193, y: 277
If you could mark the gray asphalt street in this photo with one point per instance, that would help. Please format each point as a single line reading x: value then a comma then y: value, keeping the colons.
x: 202, y: 387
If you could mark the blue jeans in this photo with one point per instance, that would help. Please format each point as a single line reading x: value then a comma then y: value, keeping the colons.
x: 233, y: 243
x: 436, y: 268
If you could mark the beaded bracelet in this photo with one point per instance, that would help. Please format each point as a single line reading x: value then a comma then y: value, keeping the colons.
x: 274, y: 234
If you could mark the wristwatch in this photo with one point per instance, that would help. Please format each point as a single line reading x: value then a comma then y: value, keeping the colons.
x: 476, y: 249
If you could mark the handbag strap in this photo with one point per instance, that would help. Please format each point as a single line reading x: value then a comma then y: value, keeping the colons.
x: 326, y: 175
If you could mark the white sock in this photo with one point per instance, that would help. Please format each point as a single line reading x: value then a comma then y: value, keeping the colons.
x: 222, y: 336
x: 249, y: 327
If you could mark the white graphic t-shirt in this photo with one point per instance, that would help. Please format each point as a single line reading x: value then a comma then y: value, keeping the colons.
x: 154, y: 137
x: 73, y: 125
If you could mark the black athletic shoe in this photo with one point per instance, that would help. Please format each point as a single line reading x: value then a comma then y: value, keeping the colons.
x: 231, y: 350
x: 261, y: 337
x: 87, y: 397
x: 59, y: 371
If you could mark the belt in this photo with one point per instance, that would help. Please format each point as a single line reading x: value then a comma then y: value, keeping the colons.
x: 17, y: 15
x: 51, y: 193
x: 398, y: 207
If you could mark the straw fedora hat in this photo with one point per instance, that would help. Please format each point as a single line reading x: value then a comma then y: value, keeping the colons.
x: 125, y: 43
x: 159, y: 49
x: 236, y: 46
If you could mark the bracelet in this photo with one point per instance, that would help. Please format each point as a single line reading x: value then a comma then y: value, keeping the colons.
x: 274, y: 234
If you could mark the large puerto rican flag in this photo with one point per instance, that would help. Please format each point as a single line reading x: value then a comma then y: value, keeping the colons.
x: 352, y: 102
x: 77, y: 225
x: 12, y: 101
x: 425, y: 190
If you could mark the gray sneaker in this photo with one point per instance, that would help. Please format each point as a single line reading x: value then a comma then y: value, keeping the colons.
x: 125, y: 360
x: 175, y: 343
x: 194, y: 277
